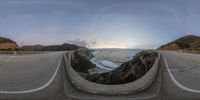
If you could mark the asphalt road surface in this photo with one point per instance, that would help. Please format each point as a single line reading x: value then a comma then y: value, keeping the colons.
x: 181, y: 75
x: 29, y: 74
x: 185, y: 69
x: 43, y: 77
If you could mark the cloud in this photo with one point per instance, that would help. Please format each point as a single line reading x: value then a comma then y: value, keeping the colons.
x: 84, y: 43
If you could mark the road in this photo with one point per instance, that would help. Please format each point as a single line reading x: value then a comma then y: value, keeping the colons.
x: 30, y: 74
x: 185, y: 68
x: 42, y: 76
x: 181, y: 75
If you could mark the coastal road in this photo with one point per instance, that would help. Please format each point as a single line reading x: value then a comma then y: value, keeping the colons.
x: 42, y: 76
x: 29, y: 74
x: 181, y: 75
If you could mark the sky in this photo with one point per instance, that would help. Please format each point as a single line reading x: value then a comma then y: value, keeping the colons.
x: 99, y: 23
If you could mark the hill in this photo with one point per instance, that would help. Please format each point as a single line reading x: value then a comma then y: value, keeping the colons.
x: 63, y: 47
x: 32, y: 48
x: 7, y: 44
x: 189, y: 42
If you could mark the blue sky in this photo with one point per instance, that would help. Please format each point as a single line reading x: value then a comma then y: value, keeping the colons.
x: 99, y: 23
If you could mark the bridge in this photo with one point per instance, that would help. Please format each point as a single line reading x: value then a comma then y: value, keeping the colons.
x: 45, y: 76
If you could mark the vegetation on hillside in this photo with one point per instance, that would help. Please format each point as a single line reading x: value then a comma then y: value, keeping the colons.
x: 189, y: 42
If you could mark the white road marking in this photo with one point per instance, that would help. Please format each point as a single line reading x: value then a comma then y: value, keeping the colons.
x: 177, y: 83
x: 36, y: 89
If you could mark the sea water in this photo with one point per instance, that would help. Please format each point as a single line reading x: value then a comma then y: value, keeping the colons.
x: 110, y: 59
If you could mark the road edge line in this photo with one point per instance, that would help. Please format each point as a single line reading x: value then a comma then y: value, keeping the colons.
x: 176, y: 82
x: 39, y: 88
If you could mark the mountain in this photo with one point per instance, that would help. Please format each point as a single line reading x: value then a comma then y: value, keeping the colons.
x: 7, y: 44
x: 189, y: 42
x: 63, y: 47
x: 32, y: 48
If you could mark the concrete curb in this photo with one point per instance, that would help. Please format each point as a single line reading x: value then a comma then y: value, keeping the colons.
x: 133, y: 87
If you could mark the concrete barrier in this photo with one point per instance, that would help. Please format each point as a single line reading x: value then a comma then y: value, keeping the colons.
x: 132, y: 87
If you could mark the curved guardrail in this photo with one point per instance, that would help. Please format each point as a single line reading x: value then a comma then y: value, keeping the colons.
x: 132, y: 87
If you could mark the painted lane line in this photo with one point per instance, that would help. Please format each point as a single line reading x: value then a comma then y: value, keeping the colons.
x: 39, y: 88
x: 177, y: 83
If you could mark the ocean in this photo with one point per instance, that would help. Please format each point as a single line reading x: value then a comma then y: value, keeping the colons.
x: 110, y: 59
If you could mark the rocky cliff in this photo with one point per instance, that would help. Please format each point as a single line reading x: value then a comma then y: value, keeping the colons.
x: 81, y: 62
x: 127, y: 72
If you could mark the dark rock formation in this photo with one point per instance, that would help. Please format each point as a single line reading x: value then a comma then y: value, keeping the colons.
x: 80, y: 62
x: 85, y: 53
x: 127, y: 72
